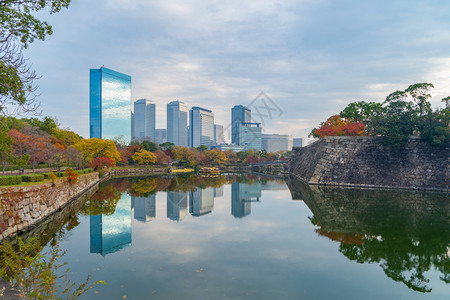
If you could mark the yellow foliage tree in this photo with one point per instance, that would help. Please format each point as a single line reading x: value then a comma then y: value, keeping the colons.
x: 144, y: 157
x: 215, y: 156
x: 95, y: 148
x: 188, y: 157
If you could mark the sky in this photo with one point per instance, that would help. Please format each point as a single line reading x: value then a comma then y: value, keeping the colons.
x: 310, y: 57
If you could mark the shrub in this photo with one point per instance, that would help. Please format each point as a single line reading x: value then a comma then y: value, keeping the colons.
x: 10, y: 180
x: 53, y: 177
x: 73, y: 176
x: 33, y: 178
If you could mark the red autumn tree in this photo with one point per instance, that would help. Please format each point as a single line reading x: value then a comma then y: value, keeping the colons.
x: 100, y: 162
x: 336, y: 126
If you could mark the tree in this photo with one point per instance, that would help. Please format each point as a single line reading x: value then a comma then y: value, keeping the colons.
x: 419, y: 93
x: 186, y: 156
x: 144, y: 157
x: 202, y: 148
x: 20, y: 160
x: 149, y: 146
x: 101, y: 162
x: 18, y: 28
x: 166, y: 145
x: 5, y: 145
x: 39, y: 148
x: 214, y: 157
x: 162, y: 158
x: 95, y: 148
x: 336, y: 126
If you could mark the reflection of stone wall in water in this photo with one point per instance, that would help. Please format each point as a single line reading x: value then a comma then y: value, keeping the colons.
x: 365, y: 161
x: 407, y: 233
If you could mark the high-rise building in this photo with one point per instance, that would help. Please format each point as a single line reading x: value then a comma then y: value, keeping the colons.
x: 160, y: 136
x: 177, y: 205
x: 219, y: 137
x: 201, y: 127
x: 242, y: 196
x: 298, y: 142
x: 144, y: 207
x: 201, y: 201
x: 111, y: 233
x: 250, y: 135
x: 276, y: 142
x: 177, y: 113
x: 239, y: 114
x: 144, y: 120
x: 109, y: 104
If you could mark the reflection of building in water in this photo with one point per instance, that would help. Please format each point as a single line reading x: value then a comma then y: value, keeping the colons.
x: 218, y: 192
x: 201, y: 202
x: 112, y: 233
x: 273, y: 185
x: 242, y: 195
x: 144, y: 208
x: 176, y: 205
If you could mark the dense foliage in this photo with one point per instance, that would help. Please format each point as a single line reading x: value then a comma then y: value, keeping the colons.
x: 400, y: 115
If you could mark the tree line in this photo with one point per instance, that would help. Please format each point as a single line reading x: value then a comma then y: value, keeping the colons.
x: 400, y: 115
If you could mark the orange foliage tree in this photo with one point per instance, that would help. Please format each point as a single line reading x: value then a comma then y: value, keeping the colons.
x: 337, y: 126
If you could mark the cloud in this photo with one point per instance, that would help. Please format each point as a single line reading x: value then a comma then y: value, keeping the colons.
x: 311, y: 57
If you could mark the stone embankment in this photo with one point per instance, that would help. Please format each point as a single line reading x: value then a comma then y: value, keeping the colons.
x: 22, y: 208
x: 367, y: 162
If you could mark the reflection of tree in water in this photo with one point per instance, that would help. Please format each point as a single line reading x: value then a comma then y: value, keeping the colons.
x: 104, y: 201
x: 406, y: 233
x: 403, y: 258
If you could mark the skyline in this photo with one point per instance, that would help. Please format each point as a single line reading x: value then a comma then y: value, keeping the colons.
x: 311, y: 57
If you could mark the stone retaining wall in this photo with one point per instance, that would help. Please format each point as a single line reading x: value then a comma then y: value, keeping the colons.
x: 367, y: 162
x: 24, y: 207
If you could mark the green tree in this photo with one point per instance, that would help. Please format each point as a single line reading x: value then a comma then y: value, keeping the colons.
x: 5, y: 145
x: 202, y: 148
x: 149, y: 146
x: 18, y: 28
x: 166, y: 145
x: 419, y: 93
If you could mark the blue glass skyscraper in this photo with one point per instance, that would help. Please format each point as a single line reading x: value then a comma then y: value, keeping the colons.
x: 110, y: 104
x: 239, y: 114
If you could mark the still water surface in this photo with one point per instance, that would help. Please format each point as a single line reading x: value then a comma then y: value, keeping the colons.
x: 246, y: 237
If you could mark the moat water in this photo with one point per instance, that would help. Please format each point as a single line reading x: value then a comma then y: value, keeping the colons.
x: 248, y: 237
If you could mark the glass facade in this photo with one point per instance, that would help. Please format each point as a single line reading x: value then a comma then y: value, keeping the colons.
x: 110, y: 104
x: 201, y: 127
x: 144, y: 119
x: 250, y: 136
x: 111, y: 233
x: 201, y: 201
x: 239, y: 114
x: 276, y: 142
x: 177, y: 131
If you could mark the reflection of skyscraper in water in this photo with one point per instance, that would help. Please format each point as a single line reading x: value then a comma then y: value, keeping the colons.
x: 112, y: 233
x: 201, y: 202
x: 144, y: 208
x: 218, y: 192
x: 242, y: 195
x: 176, y: 205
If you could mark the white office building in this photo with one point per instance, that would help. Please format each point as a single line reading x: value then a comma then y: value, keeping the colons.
x: 177, y: 113
x: 144, y: 120
x: 219, y: 137
x: 276, y: 142
x: 201, y: 127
